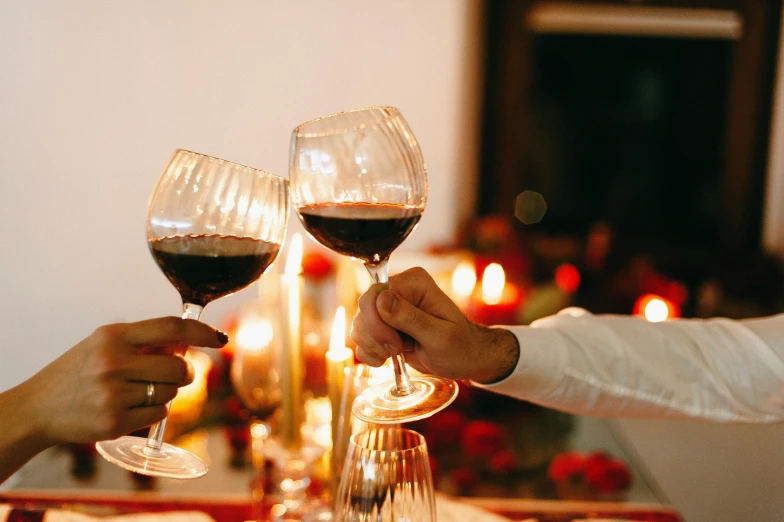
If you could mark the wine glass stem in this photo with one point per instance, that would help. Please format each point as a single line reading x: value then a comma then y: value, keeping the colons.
x: 380, y: 274
x: 155, y: 437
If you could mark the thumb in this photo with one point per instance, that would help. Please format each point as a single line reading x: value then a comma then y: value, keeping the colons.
x: 407, y: 318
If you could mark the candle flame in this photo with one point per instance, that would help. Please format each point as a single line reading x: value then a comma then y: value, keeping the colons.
x: 254, y: 334
x: 656, y: 310
x: 294, y: 260
x: 464, y: 279
x: 493, y: 282
x: 338, y: 339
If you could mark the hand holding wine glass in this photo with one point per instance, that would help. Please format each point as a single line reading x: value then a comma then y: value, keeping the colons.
x: 213, y: 228
x: 359, y: 185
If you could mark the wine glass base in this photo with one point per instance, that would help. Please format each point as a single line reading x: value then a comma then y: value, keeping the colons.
x: 381, y: 404
x: 133, y: 454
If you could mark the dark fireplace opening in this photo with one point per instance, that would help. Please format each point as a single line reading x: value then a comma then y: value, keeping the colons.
x: 628, y: 131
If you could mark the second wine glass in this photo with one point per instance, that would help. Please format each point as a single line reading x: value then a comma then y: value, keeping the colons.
x: 359, y: 185
x: 213, y: 227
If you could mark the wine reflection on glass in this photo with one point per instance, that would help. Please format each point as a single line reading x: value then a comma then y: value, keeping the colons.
x: 213, y: 228
x: 359, y: 186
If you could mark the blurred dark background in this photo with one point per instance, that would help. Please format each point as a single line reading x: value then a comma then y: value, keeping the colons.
x: 647, y: 132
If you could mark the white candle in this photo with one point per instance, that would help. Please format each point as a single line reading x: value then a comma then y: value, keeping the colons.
x: 493, y: 282
x: 292, y: 375
x: 463, y: 283
x: 339, y: 357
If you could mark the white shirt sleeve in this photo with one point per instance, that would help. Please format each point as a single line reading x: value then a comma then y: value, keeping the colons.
x: 625, y: 366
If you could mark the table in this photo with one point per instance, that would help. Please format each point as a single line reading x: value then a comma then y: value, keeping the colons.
x: 225, y: 491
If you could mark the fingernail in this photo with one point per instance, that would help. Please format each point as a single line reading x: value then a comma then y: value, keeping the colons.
x: 387, y: 301
x: 391, y: 349
x: 222, y: 337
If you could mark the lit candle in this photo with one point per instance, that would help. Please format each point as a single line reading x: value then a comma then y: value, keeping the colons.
x: 500, y: 301
x: 463, y: 283
x: 250, y: 371
x: 338, y: 359
x: 292, y: 378
x: 655, y: 308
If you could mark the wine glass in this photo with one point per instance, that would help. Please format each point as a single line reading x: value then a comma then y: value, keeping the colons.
x: 386, y: 478
x: 213, y: 227
x: 254, y: 369
x: 359, y: 185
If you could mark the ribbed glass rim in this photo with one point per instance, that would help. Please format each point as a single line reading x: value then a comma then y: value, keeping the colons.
x: 389, y: 112
x: 419, y: 445
x: 232, y: 163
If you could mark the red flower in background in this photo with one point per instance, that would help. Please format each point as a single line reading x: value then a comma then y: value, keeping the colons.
x: 606, y: 474
x: 503, y: 462
x: 483, y: 439
x: 566, y: 465
x: 316, y: 265
x: 598, y: 470
x: 464, y: 479
x: 444, y: 427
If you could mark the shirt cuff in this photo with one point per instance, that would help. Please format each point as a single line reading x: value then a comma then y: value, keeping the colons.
x: 540, y: 367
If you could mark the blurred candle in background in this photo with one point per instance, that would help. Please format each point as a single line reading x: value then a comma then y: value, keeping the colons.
x: 187, y: 406
x: 463, y: 283
x: 499, y: 302
x: 292, y: 376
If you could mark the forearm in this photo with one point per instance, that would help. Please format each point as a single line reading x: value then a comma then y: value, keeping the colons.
x: 20, y: 437
x: 623, y: 366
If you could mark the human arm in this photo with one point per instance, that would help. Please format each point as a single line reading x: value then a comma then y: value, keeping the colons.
x: 607, y: 365
x: 96, y: 389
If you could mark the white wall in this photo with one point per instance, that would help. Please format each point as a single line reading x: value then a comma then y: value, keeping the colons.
x: 95, y: 96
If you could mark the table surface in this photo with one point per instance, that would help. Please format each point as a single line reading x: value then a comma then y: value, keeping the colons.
x: 51, y: 469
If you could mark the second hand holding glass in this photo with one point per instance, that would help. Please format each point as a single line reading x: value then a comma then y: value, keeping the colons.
x: 213, y: 228
x: 359, y: 185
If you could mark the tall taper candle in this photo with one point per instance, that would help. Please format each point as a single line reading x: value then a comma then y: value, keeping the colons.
x: 338, y: 359
x: 292, y: 377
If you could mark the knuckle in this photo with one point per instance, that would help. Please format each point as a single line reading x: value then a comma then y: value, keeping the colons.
x: 106, y: 365
x: 368, y: 358
x: 417, y: 274
x: 412, y: 317
x: 366, y: 300
x: 110, y: 425
x: 173, y: 326
x: 183, y: 371
x: 108, y: 333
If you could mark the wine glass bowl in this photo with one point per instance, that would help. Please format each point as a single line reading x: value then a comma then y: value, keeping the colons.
x: 386, y: 477
x: 359, y: 186
x: 213, y: 228
x: 254, y: 367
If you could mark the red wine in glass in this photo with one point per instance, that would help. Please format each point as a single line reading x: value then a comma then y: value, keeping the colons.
x: 206, y: 267
x: 366, y: 231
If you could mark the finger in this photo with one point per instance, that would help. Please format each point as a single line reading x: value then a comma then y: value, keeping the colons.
x: 369, y: 358
x: 412, y: 359
x: 137, y: 394
x: 372, y: 324
x: 173, y: 330
x: 137, y: 418
x: 417, y: 287
x: 364, y: 337
x: 400, y: 314
x: 159, y: 368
